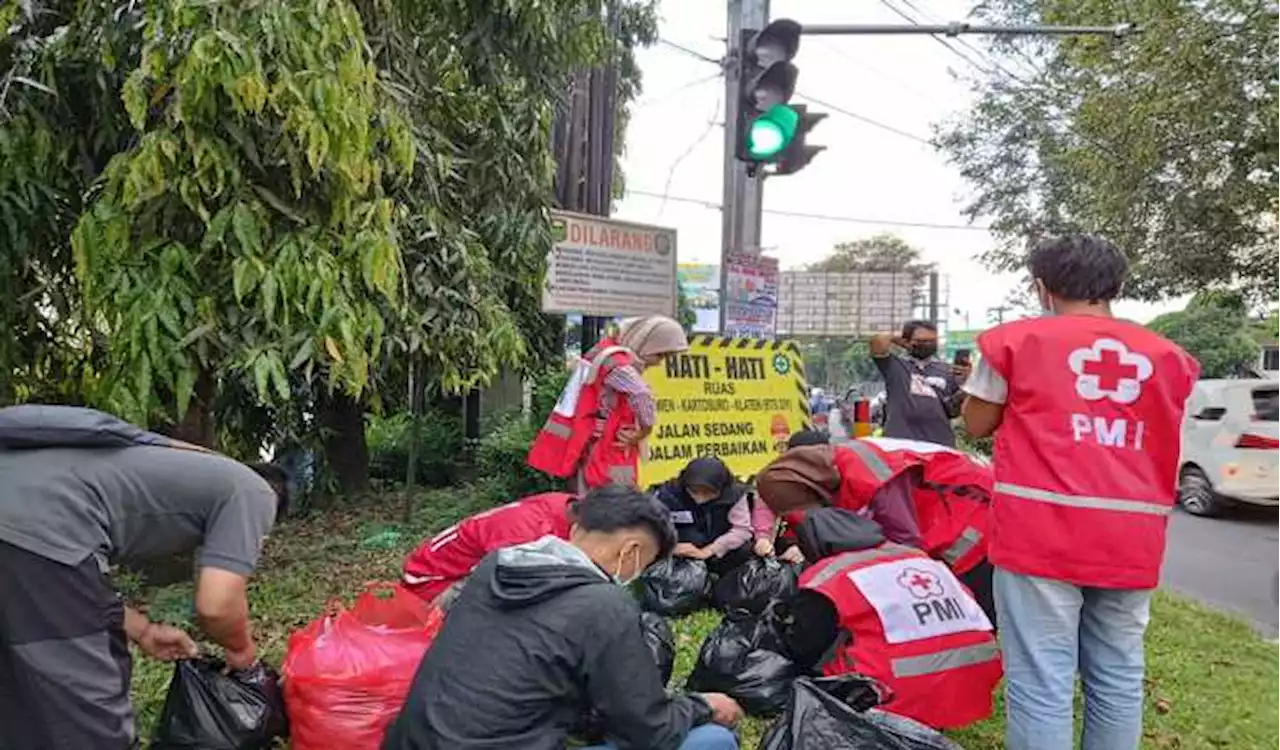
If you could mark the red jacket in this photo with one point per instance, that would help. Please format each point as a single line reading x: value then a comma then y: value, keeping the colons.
x: 1086, y: 457
x: 569, y: 439
x: 907, y: 621
x: 450, y: 555
x: 950, y: 505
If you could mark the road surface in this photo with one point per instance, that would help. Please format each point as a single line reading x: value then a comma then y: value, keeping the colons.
x: 1227, y: 563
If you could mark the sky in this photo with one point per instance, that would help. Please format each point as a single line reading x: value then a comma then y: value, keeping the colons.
x: 675, y: 143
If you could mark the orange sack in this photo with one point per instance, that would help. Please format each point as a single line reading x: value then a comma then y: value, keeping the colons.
x: 346, y: 674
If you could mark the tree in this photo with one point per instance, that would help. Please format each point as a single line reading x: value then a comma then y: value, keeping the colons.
x: 883, y: 252
x: 280, y: 209
x: 1213, y: 328
x: 685, y: 314
x: 1164, y: 141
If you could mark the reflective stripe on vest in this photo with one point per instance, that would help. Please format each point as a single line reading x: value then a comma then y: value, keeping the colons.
x: 969, y: 539
x: 559, y: 429
x: 871, y: 459
x: 622, y: 474
x: 849, y: 559
x: 942, y: 661
x: 1123, y: 505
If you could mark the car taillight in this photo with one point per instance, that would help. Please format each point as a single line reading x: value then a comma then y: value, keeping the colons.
x: 1258, y: 442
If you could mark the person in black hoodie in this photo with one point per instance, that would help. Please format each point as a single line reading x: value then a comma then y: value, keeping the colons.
x: 711, y: 513
x: 545, y: 631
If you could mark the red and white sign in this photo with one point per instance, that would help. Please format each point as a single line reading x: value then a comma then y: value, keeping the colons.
x: 1109, y: 370
x: 917, y: 598
x: 751, y: 297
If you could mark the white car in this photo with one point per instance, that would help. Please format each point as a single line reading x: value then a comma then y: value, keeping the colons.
x: 1230, y: 446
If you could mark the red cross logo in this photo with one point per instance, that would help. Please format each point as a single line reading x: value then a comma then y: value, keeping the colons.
x: 1107, y: 369
x: 1110, y: 370
x: 920, y: 583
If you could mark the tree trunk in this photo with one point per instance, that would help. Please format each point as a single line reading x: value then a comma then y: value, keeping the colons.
x: 345, y: 450
x: 198, y: 425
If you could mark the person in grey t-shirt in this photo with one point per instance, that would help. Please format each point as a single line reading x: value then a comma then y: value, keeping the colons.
x: 922, y: 394
x: 72, y: 503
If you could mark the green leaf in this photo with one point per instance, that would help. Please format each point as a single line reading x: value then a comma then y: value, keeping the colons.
x: 303, y: 355
x: 246, y: 229
x: 279, y: 378
x: 183, y: 387
x: 244, y: 277
x: 262, y: 376
x: 269, y: 295
x: 198, y: 332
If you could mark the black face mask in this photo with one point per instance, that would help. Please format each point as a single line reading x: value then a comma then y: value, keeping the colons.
x: 924, y: 349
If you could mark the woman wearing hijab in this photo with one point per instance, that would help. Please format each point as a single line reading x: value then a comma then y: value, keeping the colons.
x: 807, y: 477
x: 711, y: 513
x: 597, y: 430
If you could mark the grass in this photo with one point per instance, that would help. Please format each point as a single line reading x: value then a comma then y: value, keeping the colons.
x: 1211, y: 682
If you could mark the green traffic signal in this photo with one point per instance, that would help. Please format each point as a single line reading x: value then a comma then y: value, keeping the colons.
x: 772, y: 132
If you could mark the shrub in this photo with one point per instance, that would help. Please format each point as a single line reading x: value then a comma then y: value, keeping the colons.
x: 440, y: 447
x: 547, y: 386
x: 501, y: 454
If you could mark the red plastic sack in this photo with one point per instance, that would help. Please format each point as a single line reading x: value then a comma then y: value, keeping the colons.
x: 346, y: 675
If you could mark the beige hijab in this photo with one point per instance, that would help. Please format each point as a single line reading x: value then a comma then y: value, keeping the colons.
x: 653, y: 336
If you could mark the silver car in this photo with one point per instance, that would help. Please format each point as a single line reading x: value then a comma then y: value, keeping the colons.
x: 1230, y: 446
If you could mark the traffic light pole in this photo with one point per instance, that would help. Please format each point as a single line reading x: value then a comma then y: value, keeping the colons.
x: 744, y: 190
x: 743, y: 195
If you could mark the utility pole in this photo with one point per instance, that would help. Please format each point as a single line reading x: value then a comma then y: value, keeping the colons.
x: 740, y: 212
x: 996, y: 314
x: 583, y: 145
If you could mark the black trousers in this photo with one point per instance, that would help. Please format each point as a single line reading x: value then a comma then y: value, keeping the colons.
x: 980, y: 582
x: 64, y: 657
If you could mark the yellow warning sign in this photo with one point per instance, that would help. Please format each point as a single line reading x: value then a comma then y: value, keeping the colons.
x: 735, y: 398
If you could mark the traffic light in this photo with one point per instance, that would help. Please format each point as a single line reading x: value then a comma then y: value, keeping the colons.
x: 797, y: 155
x: 768, y: 129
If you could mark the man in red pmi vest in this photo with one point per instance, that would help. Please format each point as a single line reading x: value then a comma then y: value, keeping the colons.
x: 446, y: 559
x: 1086, y: 411
x: 893, y: 613
x: 597, y: 429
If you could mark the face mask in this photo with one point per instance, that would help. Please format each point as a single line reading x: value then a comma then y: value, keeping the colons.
x: 635, y: 572
x: 924, y: 350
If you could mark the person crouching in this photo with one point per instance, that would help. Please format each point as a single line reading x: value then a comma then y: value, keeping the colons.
x: 711, y: 512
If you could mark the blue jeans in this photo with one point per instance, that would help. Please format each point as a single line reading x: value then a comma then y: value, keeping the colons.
x: 705, y: 737
x: 1050, y: 629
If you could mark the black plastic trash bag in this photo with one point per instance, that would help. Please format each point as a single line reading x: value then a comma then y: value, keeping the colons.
x: 661, y: 642
x: 206, y: 709
x: 736, y: 659
x: 831, y: 713
x: 755, y: 583
x: 675, y: 586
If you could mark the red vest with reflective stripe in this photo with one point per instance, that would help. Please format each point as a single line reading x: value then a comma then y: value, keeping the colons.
x: 450, y: 555
x: 568, y: 439
x: 908, y: 622
x: 951, y: 508
x: 1086, y: 457
x: 865, y: 468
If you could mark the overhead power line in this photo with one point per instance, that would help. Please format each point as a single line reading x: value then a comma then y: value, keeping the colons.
x: 864, y: 119
x: 690, y: 51
x: 813, y: 216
